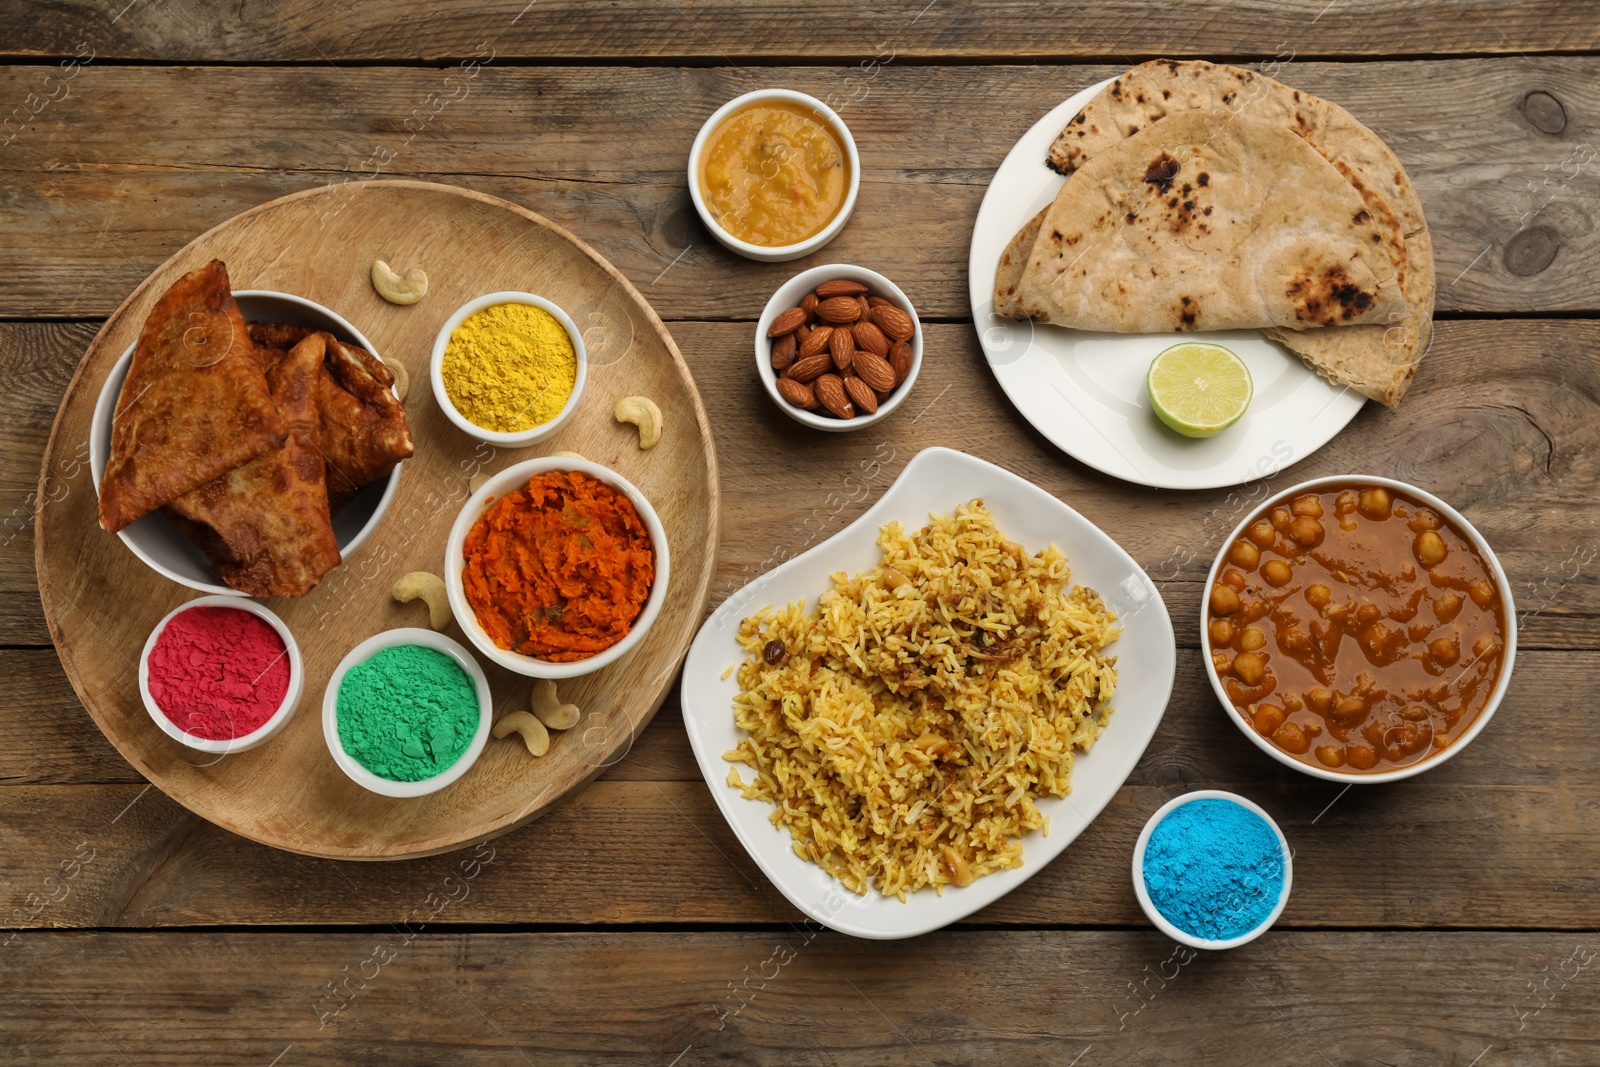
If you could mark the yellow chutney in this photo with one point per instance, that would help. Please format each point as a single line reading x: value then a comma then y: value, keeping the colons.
x: 774, y: 173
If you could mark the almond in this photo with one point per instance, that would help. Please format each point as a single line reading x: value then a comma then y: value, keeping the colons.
x: 808, y: 304
x: 831, y: 394
x: 783, y: 350
x: 874, y: 370
x: 878, y: 302
x: 900, y: 361
x: 798, y: 393
x: 862, y: 395
x: 842, y: 346
x: 801, y: 333
x: 871, y: 338
x: 807, y: 369
x: 787, y: 322
x: 837, y: 310
x: 840, y: 287
x: 866, y: 308
x: 893, y: 322
x: 816, y: 342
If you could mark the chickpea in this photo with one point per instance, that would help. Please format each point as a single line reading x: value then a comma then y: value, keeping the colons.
x: 1245, y: 554
x: 1224, y: 600
x: 1362, y: 758
x: 1221, y: 632
x: 1250, y: 668
x: 1268, y: 718
x: 1291, y: 738
x: 1277, y: 572
x: 1430, y: 548
x: 1219, y: 663
x: 1256, y: 610
x: 1418, y: 631
x: 1446, y: 606
x: 1444, y: 650
x: 1295, y: 641
x: 1367, y: 614
x: 1319, y: 700
x: 1309, y: 504
x: 1345, y: 502
x: 1292, y: 702
x: 1281, y: 518
x: 1330, y: 755
x: 1307, y: 531
x: 1375, y: 639
x: 1408, y: 573
x: 1484, y: 646
x: 1252, y: 640
x: 1425, y: 519
x: 1263, y: 534
x: 1318, y: 595
x: 1235, y: 579
x: 1349, y: 708
x: 1348, y: 525
x: 1375, y: 503
x: 1481, y: 592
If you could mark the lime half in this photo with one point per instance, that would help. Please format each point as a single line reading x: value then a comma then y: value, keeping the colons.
x: 1199, y: 389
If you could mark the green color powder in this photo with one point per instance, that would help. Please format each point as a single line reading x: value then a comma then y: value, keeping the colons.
x: 408, y: 713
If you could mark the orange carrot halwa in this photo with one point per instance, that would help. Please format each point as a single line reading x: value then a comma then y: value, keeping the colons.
x: 559, y: 570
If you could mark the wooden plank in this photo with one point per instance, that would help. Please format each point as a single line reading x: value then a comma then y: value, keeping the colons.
x: 729, y: 32
x: 136, y: 161
x: 1503, y: 835
x: 793, y: 996
x: 1502, y: 422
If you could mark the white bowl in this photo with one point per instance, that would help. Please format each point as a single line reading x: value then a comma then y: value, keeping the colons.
x: 153, y: 538
x: 776, y: 253
x: 1164, y: 924
x: 789, y: 295
x: 515, y: 477
x: 262, y: 733
x: 1501, y: 583
x: 466, y: 425
x: 365, y: 651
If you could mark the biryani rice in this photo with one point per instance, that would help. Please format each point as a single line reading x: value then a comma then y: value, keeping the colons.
x: 915, y: 715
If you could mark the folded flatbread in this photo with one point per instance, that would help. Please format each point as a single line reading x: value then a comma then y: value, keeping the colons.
x: 1196, y: 224
x: 1379, y: 360
x: 264, y: 525
x: 194, y: 405
x: 362, y: 429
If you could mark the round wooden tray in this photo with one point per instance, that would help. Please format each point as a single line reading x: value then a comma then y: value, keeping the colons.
x: 101, y: 602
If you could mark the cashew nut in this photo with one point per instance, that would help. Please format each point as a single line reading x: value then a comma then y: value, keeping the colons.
x: 534, y: 735
x: 548, y: 709
x: 478, y: 481
x: 642, y: 412
x: 398, y: 290
x: 430, y: 587
x: 402, y: 380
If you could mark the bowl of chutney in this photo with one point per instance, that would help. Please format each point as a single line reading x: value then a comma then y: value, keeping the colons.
x: 1358, y: 629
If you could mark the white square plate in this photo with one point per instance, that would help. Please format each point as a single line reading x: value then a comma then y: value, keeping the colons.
x: 937, y: 480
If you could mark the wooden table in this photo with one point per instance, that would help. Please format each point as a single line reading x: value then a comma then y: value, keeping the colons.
x: 1449, y: 919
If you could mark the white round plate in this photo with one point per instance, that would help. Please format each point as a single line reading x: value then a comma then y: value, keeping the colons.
x: 937, y: 480
x: 1085, y: 391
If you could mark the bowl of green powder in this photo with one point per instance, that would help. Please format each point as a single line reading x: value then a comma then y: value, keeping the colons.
x: 406, y: 712
x: 1212, y: 870
x: 508, y: 368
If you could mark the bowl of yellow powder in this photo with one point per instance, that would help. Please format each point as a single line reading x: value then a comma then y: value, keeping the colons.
x: 508, y: 368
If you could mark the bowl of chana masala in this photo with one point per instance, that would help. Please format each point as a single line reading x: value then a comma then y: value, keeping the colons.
x: 1358, y: 629
x: 556, y: 567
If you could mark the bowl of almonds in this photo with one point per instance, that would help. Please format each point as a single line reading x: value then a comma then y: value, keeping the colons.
x: 838, y: 347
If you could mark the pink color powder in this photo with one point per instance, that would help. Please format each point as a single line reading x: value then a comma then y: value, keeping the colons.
x: 218, y: 673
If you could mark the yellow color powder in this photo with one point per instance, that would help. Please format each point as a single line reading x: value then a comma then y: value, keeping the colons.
x: 509, y: 367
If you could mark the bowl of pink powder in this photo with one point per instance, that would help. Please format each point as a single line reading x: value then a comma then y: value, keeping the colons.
x: 220, y: 674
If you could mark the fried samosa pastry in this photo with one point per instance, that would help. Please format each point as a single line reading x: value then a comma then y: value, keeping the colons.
x: 195, y: 403
x: 265, y: 525
x: 362, y: 430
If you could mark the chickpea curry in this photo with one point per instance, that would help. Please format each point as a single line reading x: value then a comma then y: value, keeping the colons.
x: 774, y: 173
x: 1356, y: 629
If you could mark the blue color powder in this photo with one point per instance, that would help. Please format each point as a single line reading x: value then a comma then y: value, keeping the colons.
x: 1214, y: 869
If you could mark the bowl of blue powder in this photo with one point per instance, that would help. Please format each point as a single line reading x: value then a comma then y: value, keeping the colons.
x: 1212, y: 870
